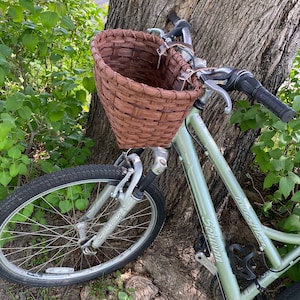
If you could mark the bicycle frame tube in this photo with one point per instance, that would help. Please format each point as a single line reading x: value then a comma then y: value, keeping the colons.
x: 184, y: 144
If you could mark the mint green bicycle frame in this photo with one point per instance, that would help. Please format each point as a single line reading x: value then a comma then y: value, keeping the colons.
x: 264, y: 235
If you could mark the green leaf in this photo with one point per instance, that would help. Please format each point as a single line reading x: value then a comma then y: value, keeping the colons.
x: 282, y: 164
x: 8, y: 119
x: 3, y: 142
x: 30, y: 25
x: 5, y: 129
x: 74, y: 192
x: 279, y: 125
x: 25, y: 112
x: 270, y: 179
x: 297, y: 157
x: 81, y: 204
x: 6, y: 143
x: 53, y: 199
x: 267, y: 137
x: 43, y: 49
x: 16, y: 12
x: 286, y: 184
x: 61, y: 8
x: 28, y: 210
x: 296, y: 209
x: 55, y: 57
x: 65, y: 206
x: 4, y: 64
x: 242, y: 104
x: 19, y: 217
x: 14, y: 169
x: 67, y: 23
x: 79, y: 71
x: 248, y: 124
x: 70, y: 50
x: 23, y: 168
x: 294, y: 177
x: 55, y: 116
x: 46, y: 166
x: 3, y: 192
x: 56, y: 111
x: 267, y: 206
x: 68, y: 86
x: 89, y: 84
x: 81, y: 96
x: 2, y: 75
x: 28, y: 5
x: 296, y: 136
x: 49, y: 19
x: 5, y: 178
x: 263, y: 159
x: 295, y: 124
x: 276, y: 153
x: 122, y: 296
x: 111, y: 289
x: 14, y: 102
x: 29, y: 91
x: 30, y: 41
x: 14, y: 152
x: 292, y: 223
x: 5, y: 51
x: 296, y: 103
x: 25, y: 160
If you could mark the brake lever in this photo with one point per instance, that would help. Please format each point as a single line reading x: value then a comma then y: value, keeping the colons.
x: 211, y: 85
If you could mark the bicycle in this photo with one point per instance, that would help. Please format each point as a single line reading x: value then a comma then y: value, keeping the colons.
x: 80, y: 223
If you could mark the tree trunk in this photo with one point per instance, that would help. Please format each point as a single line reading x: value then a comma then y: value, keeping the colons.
x: 260, y: 36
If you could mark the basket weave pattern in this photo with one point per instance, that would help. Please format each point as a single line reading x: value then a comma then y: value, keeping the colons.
x: 142, y: 103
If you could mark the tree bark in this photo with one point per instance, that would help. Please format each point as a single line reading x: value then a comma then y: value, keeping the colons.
x: 261, y: 36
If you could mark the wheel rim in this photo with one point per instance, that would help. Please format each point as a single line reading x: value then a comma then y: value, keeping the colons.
x: 39, y: 239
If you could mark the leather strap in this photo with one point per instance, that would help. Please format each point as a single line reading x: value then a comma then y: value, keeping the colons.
x: 165, y: 46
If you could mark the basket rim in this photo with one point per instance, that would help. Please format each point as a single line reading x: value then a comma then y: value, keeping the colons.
x: 144, y: 88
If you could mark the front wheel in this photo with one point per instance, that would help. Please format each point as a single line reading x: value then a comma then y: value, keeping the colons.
x: 40, y: 241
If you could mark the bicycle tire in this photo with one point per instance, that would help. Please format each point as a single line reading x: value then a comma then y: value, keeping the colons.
x: 291, y: 293
x: 39, y: 243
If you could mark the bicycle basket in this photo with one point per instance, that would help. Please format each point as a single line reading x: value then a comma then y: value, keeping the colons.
x: 142, y: 102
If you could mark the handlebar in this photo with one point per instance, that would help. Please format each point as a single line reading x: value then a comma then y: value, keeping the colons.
x: 247, y: 83
x: 173, y: 17
x: 181, y: 28
x: 229, y: 78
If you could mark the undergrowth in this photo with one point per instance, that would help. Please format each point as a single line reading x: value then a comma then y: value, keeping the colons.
x: 276, y: 154
x: 46, y: 77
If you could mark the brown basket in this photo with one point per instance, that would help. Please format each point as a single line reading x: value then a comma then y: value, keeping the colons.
x: 142, y: 102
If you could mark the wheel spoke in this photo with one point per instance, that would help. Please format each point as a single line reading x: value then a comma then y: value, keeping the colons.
x: 40, y: 234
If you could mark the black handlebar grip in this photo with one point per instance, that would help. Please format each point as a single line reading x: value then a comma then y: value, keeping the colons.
x: 173, y: 17
x: 284, y: 112
x: 249, y: 85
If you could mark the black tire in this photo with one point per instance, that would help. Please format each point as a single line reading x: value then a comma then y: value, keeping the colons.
x: 39, y: 241
x: 290, y: 293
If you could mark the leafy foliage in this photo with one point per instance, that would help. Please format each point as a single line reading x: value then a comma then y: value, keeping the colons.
x: 45, y: 81
x: 277, y: 150
x: 112, y: 286
x: 277, y: 155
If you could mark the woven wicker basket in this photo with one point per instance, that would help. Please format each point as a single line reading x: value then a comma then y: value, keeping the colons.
x: 142, y: 103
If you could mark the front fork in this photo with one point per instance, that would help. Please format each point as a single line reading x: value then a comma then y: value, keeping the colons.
x: 127, y: 199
